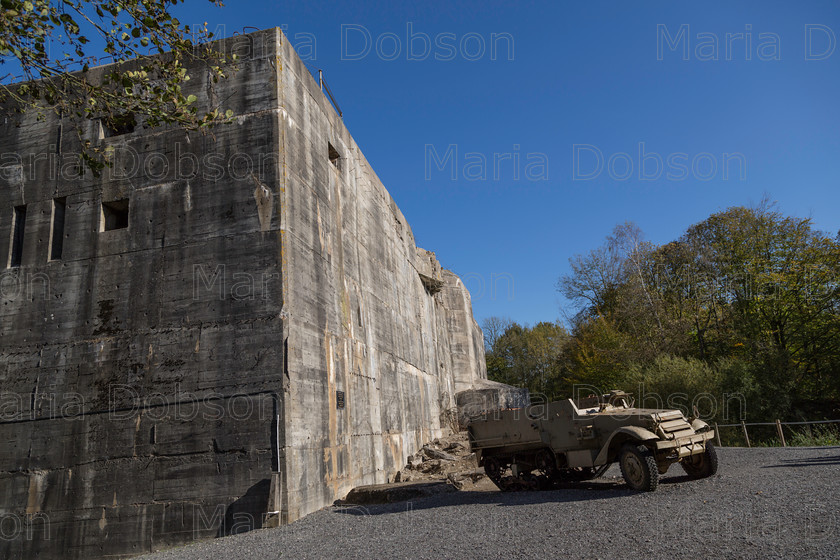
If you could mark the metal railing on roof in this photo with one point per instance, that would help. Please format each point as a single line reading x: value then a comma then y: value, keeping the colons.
x: 325, y: 87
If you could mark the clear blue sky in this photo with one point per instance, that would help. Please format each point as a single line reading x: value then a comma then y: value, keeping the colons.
x: 585, y: 73
x: 580, y: 73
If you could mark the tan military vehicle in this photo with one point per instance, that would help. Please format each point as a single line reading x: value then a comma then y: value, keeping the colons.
x: 562, y: 440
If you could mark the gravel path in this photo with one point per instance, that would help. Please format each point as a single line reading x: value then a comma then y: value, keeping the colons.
x: 763, y: 503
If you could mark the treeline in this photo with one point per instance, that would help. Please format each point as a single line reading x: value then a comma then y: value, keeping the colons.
x: 739, y: 317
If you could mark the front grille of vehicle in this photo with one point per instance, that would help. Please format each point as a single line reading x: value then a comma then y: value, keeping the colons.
x: 674, y: 429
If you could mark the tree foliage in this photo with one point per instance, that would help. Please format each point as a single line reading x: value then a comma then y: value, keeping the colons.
x: 56, y: 42
x: 748, y: 285
x: 525, y: 356
x: 746, y: 302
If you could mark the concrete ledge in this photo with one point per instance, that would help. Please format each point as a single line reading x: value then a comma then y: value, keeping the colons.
x: 397, y: 492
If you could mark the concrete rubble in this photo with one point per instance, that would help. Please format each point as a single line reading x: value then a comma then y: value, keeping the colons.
x: 443, y: 465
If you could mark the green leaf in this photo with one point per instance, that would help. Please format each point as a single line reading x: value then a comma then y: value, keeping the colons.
x: 191, y: 99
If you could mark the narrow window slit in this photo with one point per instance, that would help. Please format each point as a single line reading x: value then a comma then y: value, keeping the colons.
x: 19, y: 219
x: 57, y: 233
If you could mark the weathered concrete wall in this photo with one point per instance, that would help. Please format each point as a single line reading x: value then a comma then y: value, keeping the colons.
x: 362, y: 320
x: 118, y: 330
x: 154, y: 377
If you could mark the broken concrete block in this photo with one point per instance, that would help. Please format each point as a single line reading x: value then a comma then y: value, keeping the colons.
x: 433, y: 453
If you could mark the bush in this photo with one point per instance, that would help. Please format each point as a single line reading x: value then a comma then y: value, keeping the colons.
x: 815, y: 436
x: 674, y: 382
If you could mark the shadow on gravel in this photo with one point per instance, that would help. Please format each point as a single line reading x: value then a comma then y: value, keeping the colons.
x: 570, y: 492
x: 809, y: 462
x: 502, y: 499
x: 677, y: 480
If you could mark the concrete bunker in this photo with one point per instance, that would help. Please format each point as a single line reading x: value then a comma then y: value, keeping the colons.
x: 306, y: 299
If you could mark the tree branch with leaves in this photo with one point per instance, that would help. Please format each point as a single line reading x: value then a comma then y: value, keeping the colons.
x: 148, y: 48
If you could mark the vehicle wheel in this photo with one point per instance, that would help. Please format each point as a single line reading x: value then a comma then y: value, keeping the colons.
x: 703, y: 465
x: 546, y: 462
x: 493, y: 470
x: 638, y: 468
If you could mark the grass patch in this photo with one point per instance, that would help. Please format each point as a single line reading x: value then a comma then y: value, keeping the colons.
x: 816, y: 436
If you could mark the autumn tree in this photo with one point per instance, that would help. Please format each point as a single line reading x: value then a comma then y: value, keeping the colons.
x: 749, y: 292
x: 777, y: 278
x: 52, y: 44
x: 493, y: 328
x: 529, y: 357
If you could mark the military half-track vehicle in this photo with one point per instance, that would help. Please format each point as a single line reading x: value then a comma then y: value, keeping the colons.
x: 563, y: 441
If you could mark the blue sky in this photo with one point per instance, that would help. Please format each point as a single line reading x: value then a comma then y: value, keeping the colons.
x: 579, y: 73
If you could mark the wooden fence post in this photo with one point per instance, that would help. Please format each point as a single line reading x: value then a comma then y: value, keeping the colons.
x: 781, y: 433
x: 746, y: 435
x: 717, y: 435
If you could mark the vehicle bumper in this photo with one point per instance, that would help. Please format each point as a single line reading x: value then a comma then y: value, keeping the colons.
x: 685, y: 446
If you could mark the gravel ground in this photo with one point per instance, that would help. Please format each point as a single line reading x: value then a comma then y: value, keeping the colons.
x: 763, y: 503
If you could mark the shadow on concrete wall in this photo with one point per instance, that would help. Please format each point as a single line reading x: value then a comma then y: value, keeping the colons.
x: 246, y: 513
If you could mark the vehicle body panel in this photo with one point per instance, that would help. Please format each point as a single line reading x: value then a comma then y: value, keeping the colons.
x: 590, y: 436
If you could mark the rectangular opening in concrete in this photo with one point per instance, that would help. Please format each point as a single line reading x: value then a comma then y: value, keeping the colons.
x: 114, y: 215
x: 57, y: 228
x: 19, y: 221
x: 335, y: 157
x: 117, y: 125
